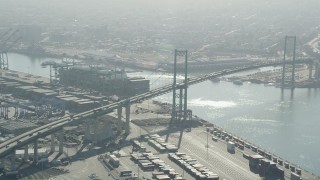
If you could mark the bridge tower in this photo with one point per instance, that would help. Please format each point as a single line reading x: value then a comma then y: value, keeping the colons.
x: 179, y: 100
x: 4, y: 61
x: 180, y: 113
x: 285, y: 55
x: 316, y: 73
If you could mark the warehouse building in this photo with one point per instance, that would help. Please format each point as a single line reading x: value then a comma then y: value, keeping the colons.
x: 103, y: 80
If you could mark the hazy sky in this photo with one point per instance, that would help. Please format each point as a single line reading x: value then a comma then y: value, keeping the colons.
x: 25, y: 11
x: 180, y: 21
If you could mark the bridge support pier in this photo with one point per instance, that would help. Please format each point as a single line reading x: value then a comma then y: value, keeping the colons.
x: 119, y: 119
x: 61, y: 142
x: 127, y: 124
x: 292, y: 84
x: 13, y: 161
x: 6, y: 116
x: 310, y: 70
x: 26, y: 153
x: 316, y: 72
x: 52, y: 143
x: 179, y: 106
x: 35, y: 151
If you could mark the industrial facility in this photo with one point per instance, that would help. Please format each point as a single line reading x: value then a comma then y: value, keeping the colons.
x: 104, y: 80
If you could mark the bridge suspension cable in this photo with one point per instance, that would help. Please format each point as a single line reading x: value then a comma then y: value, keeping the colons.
x: 19, y: 141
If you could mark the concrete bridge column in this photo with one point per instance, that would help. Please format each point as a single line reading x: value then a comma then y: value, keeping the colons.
x: 310, y: 70
x: 119, y: 119
x: 52, y: 145
x: 127, y: 125
x: 6, y: 113
x: 26, y: 153
x: 13, y: 161
x: 180, y: 116
x: 316, y: 73
x: 35, y: 151
x: 96, y: 134
x: 61, y: 141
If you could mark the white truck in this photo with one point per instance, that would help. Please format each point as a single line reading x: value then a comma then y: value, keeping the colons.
x: 231, y: 147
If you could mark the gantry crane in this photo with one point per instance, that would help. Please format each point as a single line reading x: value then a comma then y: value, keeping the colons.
x: 6, y: 46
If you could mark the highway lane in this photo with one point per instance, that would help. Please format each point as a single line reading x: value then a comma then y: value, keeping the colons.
x: 25, y: 138
x: 218, y: 159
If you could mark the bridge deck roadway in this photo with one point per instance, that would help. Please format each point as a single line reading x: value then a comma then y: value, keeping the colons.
x: 25, y: 138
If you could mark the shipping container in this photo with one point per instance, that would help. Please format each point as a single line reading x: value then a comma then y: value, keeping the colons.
x: 155, y: 174
x: 268, y: 156
x: 260, y: 152
x: 286, y: 165
x: 179, y: 178
x: 125, y: 173
x: 147, y: 167
x: 254, y: 161
x: 213, y: 177
x: 298, y: 171
x: 163, y: 177
x: 114, y: 161
x: 254, y: 149
x: 180, y: 154
x: 275, y: 159
x: 246, y: 156
x: 295, y: 176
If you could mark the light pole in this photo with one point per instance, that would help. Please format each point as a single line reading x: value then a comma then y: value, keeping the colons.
x: 183, y: 168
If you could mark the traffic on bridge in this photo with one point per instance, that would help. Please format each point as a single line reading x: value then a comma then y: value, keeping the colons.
x: 19, y: 141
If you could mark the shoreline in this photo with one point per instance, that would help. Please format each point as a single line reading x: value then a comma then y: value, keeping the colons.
x: 255, y: 78
x: 163, y: 123
x: 206, y: 124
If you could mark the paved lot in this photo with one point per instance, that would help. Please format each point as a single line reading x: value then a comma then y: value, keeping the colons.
x: 214, y: 156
